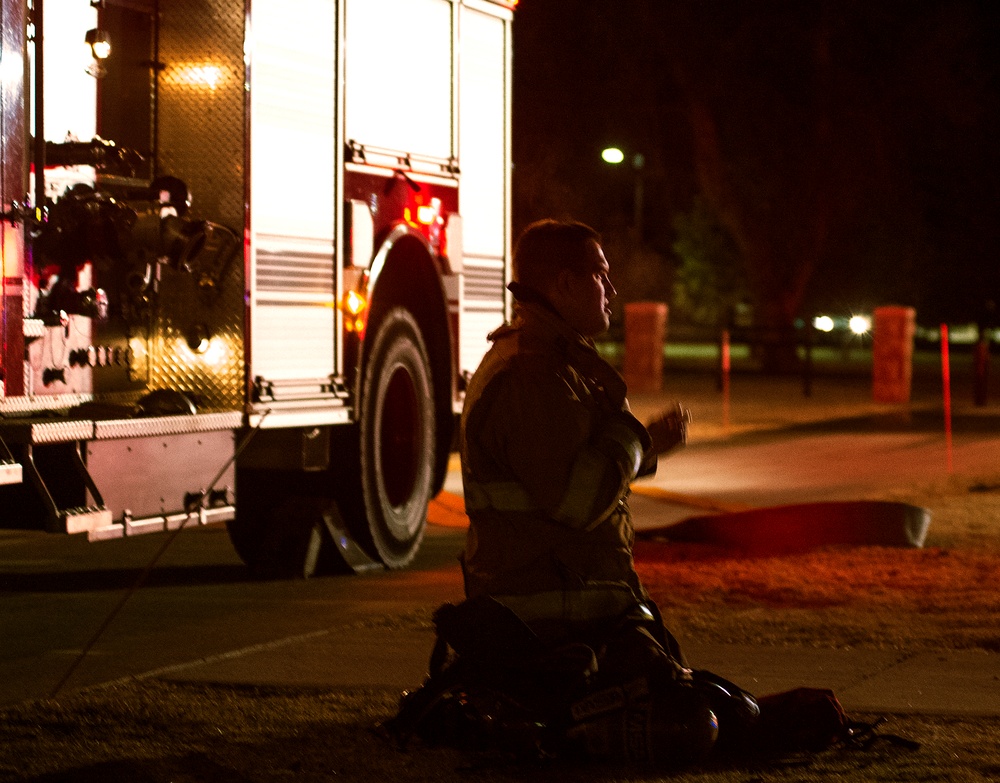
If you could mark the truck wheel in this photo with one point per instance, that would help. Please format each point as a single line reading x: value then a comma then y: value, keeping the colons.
x: 396, y: 424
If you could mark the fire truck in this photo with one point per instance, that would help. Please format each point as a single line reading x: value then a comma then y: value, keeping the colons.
x: 251, y: 252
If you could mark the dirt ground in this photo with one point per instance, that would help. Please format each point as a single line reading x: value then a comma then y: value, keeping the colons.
x: 157, y: 732
x: 943, y: 596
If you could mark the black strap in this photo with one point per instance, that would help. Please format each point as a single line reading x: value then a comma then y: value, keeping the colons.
x: 864, y: 736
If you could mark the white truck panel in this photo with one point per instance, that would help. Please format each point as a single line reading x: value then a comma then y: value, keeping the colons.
x: 483, y: 194
x: 292, y: 210
x: 294, y: 309
x: 476, y: 325
x: 292, y: 109
x: 70, y: 90
x: 399, y: 75
x: 295, y: 342
x: 482, y: 136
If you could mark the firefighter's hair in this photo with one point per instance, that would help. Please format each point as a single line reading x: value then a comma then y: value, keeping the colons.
x: 548, y: 246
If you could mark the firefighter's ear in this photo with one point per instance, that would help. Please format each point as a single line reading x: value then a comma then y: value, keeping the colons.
x: 548, y: 286
x: 562, y: 284
x: 563, y: 294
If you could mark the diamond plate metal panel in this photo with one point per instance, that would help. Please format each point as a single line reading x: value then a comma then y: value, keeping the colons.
x: 33, y: 327
x: 14, y: 406
x: 166, y: 425
x: 200, y: 124
x: 61, y: 431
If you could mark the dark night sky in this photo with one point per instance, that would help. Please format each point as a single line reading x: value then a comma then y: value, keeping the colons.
x: 849, y: 147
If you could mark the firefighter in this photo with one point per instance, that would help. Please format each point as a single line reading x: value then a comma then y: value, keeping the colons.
x: 557, y: 649
x: 549, y: 448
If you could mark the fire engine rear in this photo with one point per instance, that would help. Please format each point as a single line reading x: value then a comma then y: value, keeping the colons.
x: 251, y: 251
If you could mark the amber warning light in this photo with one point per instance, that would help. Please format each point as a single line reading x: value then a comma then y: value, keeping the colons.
x: 354, y: 306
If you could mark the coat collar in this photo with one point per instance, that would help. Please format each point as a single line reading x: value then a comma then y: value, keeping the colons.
x: 541, y: 321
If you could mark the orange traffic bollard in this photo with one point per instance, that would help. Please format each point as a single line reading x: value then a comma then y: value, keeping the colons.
x: 645, y: 332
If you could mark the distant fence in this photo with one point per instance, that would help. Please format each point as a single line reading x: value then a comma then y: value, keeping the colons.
x: 761, y: 340
x: 793, y: 349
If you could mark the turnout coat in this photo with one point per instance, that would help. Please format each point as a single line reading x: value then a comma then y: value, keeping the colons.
x: 549, y: 449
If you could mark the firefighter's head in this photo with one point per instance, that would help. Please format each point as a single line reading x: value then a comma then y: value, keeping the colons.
x: 564, y: 263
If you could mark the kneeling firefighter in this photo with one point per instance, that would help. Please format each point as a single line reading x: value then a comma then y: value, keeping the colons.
x: 555, y: 616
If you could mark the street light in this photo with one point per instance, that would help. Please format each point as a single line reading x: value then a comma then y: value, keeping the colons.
x: 615, y: 157
x: 612, y: 155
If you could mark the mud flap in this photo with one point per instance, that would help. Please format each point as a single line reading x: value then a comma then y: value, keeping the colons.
x: 353, y: 556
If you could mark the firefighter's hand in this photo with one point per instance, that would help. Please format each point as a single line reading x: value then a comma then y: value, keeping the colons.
x: 669, y: 429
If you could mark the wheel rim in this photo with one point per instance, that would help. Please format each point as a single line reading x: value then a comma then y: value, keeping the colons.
x: 400, y: 438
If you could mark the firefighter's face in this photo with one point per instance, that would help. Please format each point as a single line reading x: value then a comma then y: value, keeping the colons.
x: 584, y: 297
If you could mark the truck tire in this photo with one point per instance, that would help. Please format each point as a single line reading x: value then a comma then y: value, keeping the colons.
x: 277, y: 534
x: 396, y: 429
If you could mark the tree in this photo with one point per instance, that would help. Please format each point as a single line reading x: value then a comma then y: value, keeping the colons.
x: 759, y: 92
x: 710, y: 282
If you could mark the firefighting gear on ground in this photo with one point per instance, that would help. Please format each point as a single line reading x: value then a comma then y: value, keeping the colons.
x: 615, y: 692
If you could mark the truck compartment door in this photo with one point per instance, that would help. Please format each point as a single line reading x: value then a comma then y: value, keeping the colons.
x: 292, y: 215
x: 484, y: 144
x: 399, y: 75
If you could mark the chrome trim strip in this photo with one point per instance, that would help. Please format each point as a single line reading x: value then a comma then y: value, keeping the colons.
x: 387, y: 171
x: 160, y: 524
x: 304, y: 416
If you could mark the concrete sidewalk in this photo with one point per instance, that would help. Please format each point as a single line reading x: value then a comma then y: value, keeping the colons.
x: 871, y: 681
